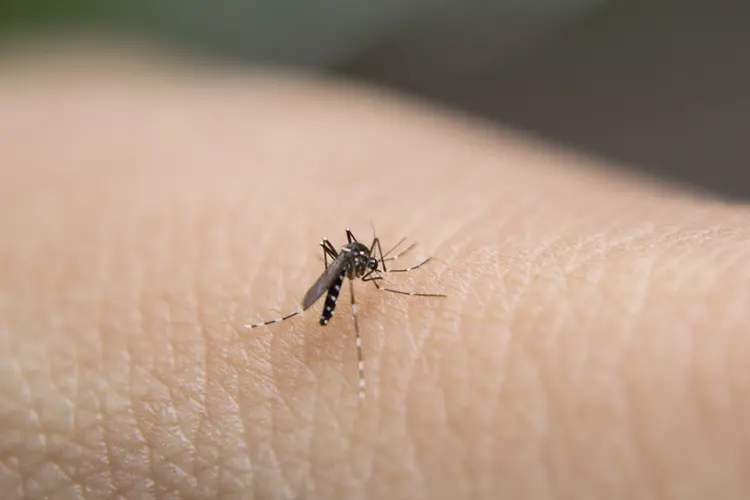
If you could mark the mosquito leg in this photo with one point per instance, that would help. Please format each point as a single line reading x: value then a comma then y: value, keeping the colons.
x: 395, y: 246
x: 400, y: 254
x: 369, y: 277
x: 410, y: 268
x: 328, y: 251
x: 380, y: 249
x: 373, y: 279
x: 413, y: 294
x: 279, y: 320
x: 331, y: 249
x: 325, y: 254
x: 350, y: 237
x: 402, y: 292
x: 358, y: 341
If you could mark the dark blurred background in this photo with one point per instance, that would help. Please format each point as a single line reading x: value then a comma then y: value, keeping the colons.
x: 662, y: 86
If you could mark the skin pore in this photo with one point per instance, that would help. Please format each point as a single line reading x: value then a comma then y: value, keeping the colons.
x: 593, y: 344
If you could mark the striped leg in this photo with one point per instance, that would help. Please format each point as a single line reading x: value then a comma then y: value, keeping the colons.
x: 428, y: 259
x: 378, y: 277
x: 279, y: 320
x: 358, y: 340
x: 385, y: 257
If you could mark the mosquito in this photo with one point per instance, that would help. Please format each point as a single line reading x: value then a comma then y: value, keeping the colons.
x: 355, y: 260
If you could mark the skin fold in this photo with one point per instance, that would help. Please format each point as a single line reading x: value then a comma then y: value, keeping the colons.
x: 593, y: 344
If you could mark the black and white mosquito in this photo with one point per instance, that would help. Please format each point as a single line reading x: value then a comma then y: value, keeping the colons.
x: 354, y: 260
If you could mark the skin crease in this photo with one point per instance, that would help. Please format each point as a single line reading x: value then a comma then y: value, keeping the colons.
x: 593, y: 343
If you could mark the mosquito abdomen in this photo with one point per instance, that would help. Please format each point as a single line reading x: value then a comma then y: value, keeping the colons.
x: 333, y: 295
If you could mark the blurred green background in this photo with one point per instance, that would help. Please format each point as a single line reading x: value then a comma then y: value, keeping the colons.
x: 663, y: 86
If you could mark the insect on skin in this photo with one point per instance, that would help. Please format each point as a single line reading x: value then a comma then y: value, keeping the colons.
x: 354, y: 261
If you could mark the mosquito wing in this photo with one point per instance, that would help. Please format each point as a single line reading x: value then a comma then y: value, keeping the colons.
x: 324, y: 282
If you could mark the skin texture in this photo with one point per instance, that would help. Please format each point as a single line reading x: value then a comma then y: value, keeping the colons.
x: 594, y: 342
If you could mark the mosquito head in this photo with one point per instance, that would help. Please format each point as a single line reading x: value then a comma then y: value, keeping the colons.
x: 373, y: 263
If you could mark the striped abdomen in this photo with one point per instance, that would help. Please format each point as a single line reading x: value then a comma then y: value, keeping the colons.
x: 333, y: 295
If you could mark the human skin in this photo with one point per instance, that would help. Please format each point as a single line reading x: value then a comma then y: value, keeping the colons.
x: 593, y: 343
